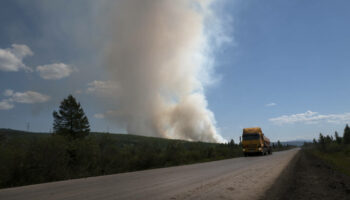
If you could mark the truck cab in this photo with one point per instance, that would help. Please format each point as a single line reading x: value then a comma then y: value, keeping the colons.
x: 255, y: 142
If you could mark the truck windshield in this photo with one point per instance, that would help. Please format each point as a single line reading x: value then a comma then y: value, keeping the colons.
x: 254, y: 136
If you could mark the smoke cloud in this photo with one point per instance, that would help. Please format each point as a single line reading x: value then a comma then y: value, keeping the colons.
x: 160, y: 58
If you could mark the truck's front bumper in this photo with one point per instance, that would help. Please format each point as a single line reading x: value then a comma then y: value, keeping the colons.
x: 252, y: 150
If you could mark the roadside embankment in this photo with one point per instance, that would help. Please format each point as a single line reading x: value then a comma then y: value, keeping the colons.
x: 309, y: 177
x: 339, y: 160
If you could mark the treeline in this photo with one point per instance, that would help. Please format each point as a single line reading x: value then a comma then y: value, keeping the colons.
x: 333, y: 143
x: 333, y: 149
x: 41, y: 159
x: 278, y: 146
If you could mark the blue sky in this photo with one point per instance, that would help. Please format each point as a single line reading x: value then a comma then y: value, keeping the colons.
x: 286, y: 69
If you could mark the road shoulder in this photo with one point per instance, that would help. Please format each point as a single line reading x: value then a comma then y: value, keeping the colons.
x: 308, y: 177
x: 250, y: 182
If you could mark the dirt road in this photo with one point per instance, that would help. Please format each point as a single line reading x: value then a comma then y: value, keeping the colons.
x: 239, y: 178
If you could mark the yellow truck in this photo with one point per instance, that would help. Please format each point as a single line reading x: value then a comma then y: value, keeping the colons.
x: 255, y: 142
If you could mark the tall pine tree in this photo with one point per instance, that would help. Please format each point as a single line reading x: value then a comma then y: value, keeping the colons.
x: 338, y: 139
x: 346, y: 137
x: 70, y: 120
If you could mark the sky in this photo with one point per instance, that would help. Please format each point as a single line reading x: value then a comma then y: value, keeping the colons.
x: 284, y: 66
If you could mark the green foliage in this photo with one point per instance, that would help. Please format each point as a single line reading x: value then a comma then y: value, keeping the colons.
x: 231, y: 143
x: 70, y: 120
x: 346, y: 136
x: 321, y: 142
x: 278, y: 146
x: 337, y: 138
x: 28, y: 158
x: 327, y: 145
x: 335, y: 151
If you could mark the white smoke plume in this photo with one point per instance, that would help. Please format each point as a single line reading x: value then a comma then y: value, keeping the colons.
x: 161, y: 60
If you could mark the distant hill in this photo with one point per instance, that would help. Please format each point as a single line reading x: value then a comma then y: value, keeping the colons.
x: 17, y: 133
x: 121, y: 138
x: 294, y: 142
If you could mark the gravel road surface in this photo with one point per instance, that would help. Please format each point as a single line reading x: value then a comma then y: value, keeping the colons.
x: 238, y: 178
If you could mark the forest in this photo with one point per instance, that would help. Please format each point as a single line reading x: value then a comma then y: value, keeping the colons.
x: 72, y: 151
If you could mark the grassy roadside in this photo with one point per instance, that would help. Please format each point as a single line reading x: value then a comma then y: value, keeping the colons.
x: 338, y: 160
x: 333, y: 149
x: 310, y: 176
